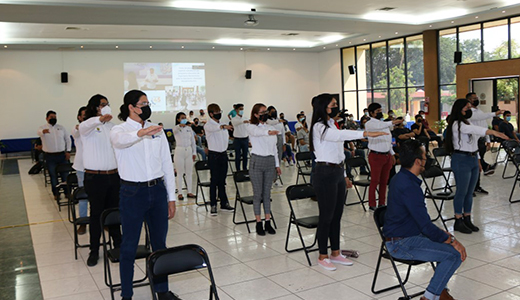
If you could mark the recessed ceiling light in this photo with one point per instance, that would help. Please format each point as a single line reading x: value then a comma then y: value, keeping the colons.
x: 324, y: 47
x: 396, y: 32
x: 117, y: 47
x: 379, y: 36
x: 350, y: 42
x: 503, y: 11
x: 151, y: 47
x: 182, y: 47
x: 476, y: 17
x: 212, y: 47
x: 364, y: 40
x: 241, y: 49
x: 431, y: 26
x: 452, y: 22
x: 268, y: 49
x: 294, y: 49
x: 82, y: 47
x: 336, y: 45
x: 5, y: 46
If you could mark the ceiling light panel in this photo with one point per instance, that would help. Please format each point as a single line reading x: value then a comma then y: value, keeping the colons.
x: 213, y: 5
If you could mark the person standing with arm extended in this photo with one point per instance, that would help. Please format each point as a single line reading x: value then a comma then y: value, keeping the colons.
x: 264, y: 158
x: 101, y: 175
x: 78, y: 166
x: 330, y: 181
x: 185, y: 153
x: 241, y: 140
x: 217, y: 137
x: 147, y: 186
x: 56, y: 145
x: 462, y: 143
x: 278, y: 126
x: 381, y: 157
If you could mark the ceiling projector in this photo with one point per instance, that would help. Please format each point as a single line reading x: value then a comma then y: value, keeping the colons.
x: 251, y: 22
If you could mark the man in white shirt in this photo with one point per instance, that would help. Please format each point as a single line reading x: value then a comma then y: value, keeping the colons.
x: 147, y: 186
x: 381, y: 157
x: 56, y: 145
x: 78, y: 166
x: 202, y: 117
x: 151, y: 79
x: 240, y: 137
x: 217, y: 137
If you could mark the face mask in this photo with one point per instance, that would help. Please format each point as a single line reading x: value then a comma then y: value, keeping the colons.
x: 106, y: 110
x: 274, y: 114
x: 146, y: 113
x: 196, y: 122
x: 217, y: 116
x: 419, y: 121
x: 468, y: 114
x: 334, y: 112
x: 366, y: 113
x: 240, y: 112
x: 476, y: 102
x: 379, y: 115
x: 422, y: 116
x: 302, y: 119
x: 201, y: 113
x: 264, y: 117
x: 184, y: 121
x: 53, y: 121
x: 508, y: 118
x: 391, y: 115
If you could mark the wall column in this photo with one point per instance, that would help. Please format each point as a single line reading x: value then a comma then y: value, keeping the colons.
x: 431, y: 74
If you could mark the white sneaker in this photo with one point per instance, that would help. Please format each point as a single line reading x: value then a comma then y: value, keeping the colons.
x: 291, y: 163
x: 286, y: 164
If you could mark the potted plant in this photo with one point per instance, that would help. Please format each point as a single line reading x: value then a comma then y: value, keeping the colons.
x: 441, y: 125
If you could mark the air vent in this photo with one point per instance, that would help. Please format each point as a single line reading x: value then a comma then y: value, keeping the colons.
x: 387, y: 8
x: 291, y: 34
x: 75, y: 28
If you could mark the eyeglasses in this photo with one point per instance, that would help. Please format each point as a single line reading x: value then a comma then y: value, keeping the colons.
x: 143, y: 104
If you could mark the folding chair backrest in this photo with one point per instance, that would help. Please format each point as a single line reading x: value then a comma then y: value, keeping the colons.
x: 202, y: 165
x: 379, y: 219
x: 440, y: 152
x: 432, y: 172
x: 356, y: 162
x: 80, y: 194
x: 241, y: 176
x: 300, y: 191
x: 177, y: 260
x: 304, y: 156
x: 72, y: 179
x: 111, y: 217
x: 65, y: 167
x: 511, y: 146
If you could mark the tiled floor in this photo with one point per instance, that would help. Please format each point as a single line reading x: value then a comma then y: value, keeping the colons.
x: 247, y: 266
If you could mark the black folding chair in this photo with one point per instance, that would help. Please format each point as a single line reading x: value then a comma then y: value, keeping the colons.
x: 200, y: 167
x: 294, y: 193
x: 303, y: 161
x: 179, y: 259
x: 112, y: 217
x: 512, y: 147
x: 379, y: 218
x: 240, y: 178
x: 77, y: 195
x: 435, y: 172
x: 232, y: 156
x: 62, y: 186
x: 359, y: 180
x: 441, y: 157
x: 72, y: 184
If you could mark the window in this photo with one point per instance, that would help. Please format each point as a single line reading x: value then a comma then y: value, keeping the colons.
x: 351, y: 102
x: 448, y: 97
x: 515, y: 37
x: 349, y: 59
x: 363, y: 67
x: 415, y: 60
x: 496, y: 44
x: 447, y: 46
x: 396, y: 59
x: 398, y: 101
x: 379, y: 66
x: 416, y: 101
x: 470, y: 43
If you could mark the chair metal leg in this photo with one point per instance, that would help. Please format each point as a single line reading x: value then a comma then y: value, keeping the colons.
x: 513, y: 190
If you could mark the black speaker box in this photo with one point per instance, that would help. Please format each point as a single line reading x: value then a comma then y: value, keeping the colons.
x: 457, y: 57
x: 64, y: 77
x: 249, y: 74
x: 351, y: 70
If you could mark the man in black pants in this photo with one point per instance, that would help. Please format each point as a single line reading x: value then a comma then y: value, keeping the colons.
x: 217, y: 137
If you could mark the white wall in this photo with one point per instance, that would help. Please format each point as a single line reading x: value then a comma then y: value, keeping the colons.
x: 30, y: 82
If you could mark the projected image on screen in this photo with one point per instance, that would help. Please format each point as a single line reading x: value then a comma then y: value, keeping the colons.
x: 170, y: 87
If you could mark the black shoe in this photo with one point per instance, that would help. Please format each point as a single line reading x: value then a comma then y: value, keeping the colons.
x: 260, y: 228
x: 268, y: 228
x: 489, y: 171
x: 469, y: 224
x: 381, y: 205
x: 461, y: 227
x: 474, y: 194
x: 168, y: 296
x: 125, y: 298
x: 93, y: 258
x: 227, y: 208
x: 372, y: 208
x: 481, y: 191
x: 493, y: 166
x: 57, y: 197
x: 214, y: 210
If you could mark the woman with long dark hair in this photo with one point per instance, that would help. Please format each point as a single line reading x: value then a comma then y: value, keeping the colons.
x: 329, y: 179
x: 185, y: 153
x: 462, y: 142
x: 264, y: 160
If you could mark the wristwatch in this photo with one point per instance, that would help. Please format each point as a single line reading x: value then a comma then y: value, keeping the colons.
x: 452, y: 239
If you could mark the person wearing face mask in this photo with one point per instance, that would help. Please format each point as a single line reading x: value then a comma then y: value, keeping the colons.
x: 217, y: 137
x: 278, y: 126
x: 56, y: 145
x: 78, y: 166
x: 233, y: 112
x: 420, y: 131
x: 351, y: 124
x: 507, y: 128
x: 381, y: 157
x: 431, y: 133
x: 202, y: 117
x: 101, y: 174
x: 302, y: 136
x: 408, y: 229
x: 240, y: 140
x: 391, y: 115
x: 300, y: 122
x: 190, y: 117
x: 185, y: 154
x: 462, y: 143
x: 147, y: 186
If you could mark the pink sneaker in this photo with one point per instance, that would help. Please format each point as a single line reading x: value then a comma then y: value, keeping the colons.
x: 326, y: 264
x: 341, y: 259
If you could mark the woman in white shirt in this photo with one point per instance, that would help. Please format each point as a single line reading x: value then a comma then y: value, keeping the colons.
x: 264, y: 160
x: 329, y: 179
x: 462, y: 142
x: 78, y: 166
x: 185, y: 153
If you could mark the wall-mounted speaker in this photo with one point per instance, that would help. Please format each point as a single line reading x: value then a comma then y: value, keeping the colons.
x: 64, y: 77
x: 352, y: 70
x: 457, y: 57
x: 249, y: 74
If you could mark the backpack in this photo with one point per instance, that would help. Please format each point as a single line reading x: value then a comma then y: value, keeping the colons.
x: 37, y: 168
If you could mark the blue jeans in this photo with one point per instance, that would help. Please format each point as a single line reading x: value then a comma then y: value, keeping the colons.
x: 465, y: 170
x: 200, y: 151
x: 83, y: 204
x: 359, y: 153
x: 422, y: 248
x: 138, y: 204
x: 241, y: 151
x: 53, y: 160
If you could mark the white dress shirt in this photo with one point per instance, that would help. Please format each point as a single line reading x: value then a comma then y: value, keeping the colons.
x: 78, y: 158
x: 141, y: 159
x: 469, y: 135
x: 262, y: 143
x: 218, y: 138
x: 480, y: 118
x: 98, y: 154
x: 328, y: 145
x: 184, y: 137
x: 277, y: 125
x: 381, y: 143
x: 57, y: 140
x: 239, y: 127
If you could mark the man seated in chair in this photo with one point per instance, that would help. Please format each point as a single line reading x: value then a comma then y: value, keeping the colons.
x: 408, y: 229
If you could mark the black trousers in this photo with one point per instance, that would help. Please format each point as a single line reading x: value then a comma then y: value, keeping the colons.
x: 103, y: 193
x: 481, y: 151
x: 330, y: 187
x: 218, y: 168
x: 241, y: 150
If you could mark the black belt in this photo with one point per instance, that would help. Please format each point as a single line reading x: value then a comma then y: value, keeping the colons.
x: 241, y: 138
x: 217, y: 153
x: 380, y: 153
x: 108, y: 172
x: 150, y: 183
x: 466, y: 152
x: 393, y: 239
x: 323, y: 163
x: 55, y: 153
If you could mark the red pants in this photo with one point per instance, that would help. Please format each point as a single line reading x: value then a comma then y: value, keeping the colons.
x: 380, y: 165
